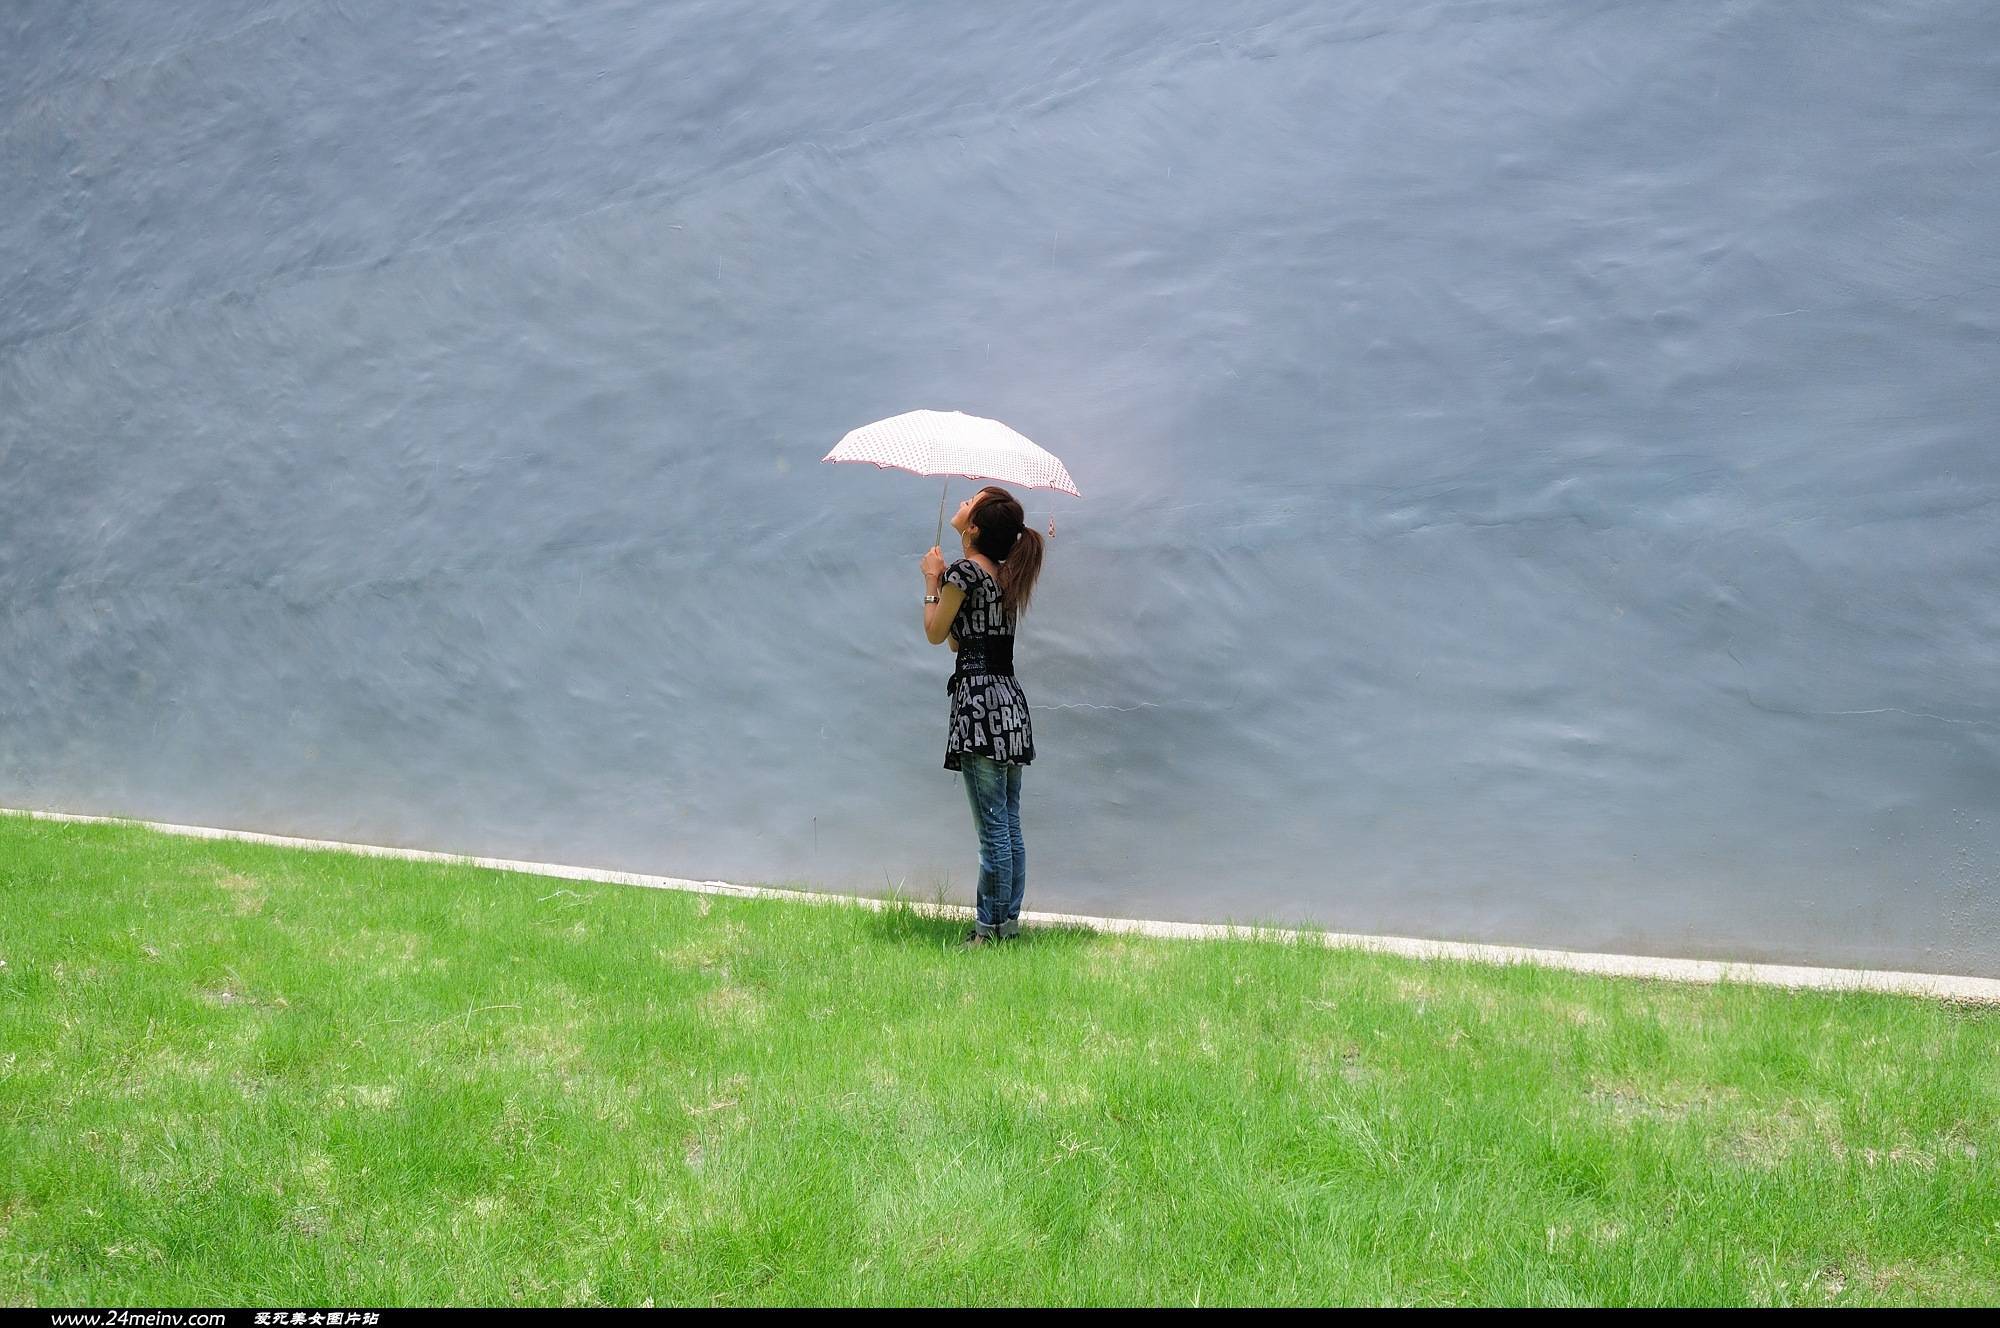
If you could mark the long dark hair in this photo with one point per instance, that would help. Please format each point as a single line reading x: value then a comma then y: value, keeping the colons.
x: 1004, y: 537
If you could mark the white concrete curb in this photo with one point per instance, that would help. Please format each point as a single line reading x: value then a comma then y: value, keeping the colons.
x: 1632, y: 966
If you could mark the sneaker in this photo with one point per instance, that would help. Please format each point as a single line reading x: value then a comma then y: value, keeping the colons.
x: 1010, y: 931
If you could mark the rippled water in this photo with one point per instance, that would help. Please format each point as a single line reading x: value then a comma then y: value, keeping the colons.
x: 1538, y: 458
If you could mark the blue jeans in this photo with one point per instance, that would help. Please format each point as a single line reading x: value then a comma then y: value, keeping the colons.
x: 994, y: 790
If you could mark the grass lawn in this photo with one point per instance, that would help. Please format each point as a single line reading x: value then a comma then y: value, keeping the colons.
x: 246, y: 1075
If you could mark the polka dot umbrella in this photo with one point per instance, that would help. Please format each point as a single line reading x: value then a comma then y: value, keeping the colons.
x: 950, y: 442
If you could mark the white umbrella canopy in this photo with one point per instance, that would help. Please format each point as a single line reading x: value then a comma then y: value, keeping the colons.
x: 950, y: 442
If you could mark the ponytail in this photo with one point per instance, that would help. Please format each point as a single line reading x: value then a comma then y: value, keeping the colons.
x: 1014, y: 548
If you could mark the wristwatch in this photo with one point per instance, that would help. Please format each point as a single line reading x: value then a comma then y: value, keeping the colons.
x: 932, y: 599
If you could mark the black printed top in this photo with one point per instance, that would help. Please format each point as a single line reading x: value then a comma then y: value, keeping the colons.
x: 989, y: 711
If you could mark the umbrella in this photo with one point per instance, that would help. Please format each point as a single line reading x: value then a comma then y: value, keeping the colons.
x: 950, y: 442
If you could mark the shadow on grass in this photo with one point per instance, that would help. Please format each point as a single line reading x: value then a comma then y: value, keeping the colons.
x: 907, y: 921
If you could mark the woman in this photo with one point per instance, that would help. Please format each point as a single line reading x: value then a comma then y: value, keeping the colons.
x: 974, y: 603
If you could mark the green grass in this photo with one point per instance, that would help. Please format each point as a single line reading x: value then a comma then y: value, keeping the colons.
x: 238, y: 1074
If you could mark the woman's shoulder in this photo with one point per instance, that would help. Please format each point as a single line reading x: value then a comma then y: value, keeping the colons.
x: 969, y: 570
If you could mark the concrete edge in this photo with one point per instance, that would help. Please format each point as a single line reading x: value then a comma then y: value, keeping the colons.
x: 1937, y: 985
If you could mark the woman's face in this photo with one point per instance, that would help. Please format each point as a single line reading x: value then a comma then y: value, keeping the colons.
x: 962, y: 522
